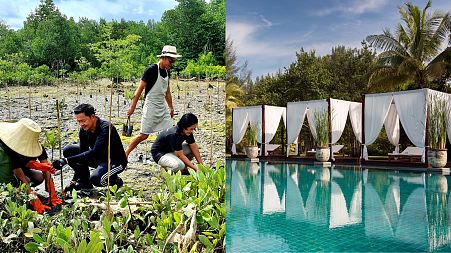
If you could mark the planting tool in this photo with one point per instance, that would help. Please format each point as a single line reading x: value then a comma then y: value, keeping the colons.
x: 127, y: 128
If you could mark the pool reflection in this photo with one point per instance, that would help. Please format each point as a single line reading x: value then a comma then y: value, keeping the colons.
x: 275, y: 204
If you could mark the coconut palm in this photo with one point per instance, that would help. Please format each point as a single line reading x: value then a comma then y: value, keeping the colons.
x: 411, y: 58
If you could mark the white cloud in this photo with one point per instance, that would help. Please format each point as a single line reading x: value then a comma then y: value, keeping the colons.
x: 267, y: 22
x: 245, y: 38
x: 355, y: 8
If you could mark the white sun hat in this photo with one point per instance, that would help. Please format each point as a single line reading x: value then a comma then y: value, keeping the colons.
x: 169, y: 51
x: 22, y: 137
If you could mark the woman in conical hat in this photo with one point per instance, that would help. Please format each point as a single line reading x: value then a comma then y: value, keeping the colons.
x: 23, y: 159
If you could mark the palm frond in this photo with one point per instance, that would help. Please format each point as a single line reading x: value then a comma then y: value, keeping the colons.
x: 384, y: 42
x: 385, y: 79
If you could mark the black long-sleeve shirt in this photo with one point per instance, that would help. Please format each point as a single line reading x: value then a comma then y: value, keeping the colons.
x: 94, y: 145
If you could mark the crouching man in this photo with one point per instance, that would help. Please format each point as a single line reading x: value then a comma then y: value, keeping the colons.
x: 170, y: 149
x: 92, y: 151
x: 24, y: 160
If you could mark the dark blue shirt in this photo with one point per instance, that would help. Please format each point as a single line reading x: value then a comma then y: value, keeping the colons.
x: 94, y: 145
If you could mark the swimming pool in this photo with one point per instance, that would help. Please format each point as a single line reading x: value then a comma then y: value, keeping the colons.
x: 294, y: 207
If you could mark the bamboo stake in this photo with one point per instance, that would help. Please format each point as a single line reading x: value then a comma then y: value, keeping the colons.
x: 9, y: 103
x: 109, y: 148
x: 59, y: 145
x: 211, y: 127
x: 29, y: 99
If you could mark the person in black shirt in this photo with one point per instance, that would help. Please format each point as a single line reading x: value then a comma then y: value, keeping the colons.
x: 92, y: 151
x: 158, y: 109
x: 169, y: 149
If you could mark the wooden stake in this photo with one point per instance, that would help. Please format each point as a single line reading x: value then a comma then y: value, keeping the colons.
x: 59, y: 145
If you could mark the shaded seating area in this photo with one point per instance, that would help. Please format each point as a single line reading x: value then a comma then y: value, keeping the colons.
x: 265, y: 117
x: 338, y: 111
x: 410, y: 153
x: 393, y: 110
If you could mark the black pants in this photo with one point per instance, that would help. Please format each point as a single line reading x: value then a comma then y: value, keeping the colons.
x: 99, y: 176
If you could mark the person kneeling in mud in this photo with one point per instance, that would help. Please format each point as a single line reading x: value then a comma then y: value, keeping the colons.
x: 24, y: 160
x: 170, y: 150
x: 92, y: 151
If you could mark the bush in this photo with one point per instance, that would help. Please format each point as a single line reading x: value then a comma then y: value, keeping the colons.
x: 128, y: 226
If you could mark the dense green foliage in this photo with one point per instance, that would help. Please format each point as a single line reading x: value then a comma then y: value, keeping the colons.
x: 318, y: 77
x: 164, y: 224
x: 110, y: 48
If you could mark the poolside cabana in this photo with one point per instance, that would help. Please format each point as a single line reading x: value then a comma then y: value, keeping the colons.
x: 266, y: 117
x: 390, y: 109
x: 338, y: 111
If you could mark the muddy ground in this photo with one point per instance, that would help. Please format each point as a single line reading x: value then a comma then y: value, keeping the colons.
x: 205, y: 99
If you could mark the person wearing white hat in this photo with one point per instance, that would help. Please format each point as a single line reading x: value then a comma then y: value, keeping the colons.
x: 23, y: 158
x: 157, y: 112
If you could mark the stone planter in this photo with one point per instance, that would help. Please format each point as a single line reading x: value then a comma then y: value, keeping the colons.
x: 437, y: 184
x: 437, y: 158
x: 322, y: 154
x: 251, y: 151
x: 254, y: 169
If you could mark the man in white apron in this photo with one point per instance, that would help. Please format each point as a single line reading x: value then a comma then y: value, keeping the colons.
x: 158, y: 109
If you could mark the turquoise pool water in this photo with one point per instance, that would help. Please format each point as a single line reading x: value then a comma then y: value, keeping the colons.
x: 294, y: 208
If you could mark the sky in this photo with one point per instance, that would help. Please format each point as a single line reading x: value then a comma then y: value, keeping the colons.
x: 14, y: 12
x: 267, y: 34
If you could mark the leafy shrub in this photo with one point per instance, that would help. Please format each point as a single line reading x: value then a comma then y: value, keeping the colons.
x: 188, y: 213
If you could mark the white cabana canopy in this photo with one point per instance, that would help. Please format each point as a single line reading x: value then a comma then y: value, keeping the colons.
x: 340, y: 109
x: 406, y: 107
x: 243, y: 116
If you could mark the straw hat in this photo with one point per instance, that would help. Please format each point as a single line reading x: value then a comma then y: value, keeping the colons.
x: 22, y: 137
x: 169, y: 51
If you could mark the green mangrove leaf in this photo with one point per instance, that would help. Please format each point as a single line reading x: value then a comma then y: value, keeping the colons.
x: 32, y: 247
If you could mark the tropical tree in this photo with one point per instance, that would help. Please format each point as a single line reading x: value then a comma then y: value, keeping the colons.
x: 411, y: 58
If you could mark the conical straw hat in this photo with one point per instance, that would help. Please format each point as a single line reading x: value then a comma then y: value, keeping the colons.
x: 22, y: 137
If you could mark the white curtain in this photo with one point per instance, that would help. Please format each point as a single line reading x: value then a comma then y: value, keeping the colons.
x: 376, y: 109
x: 239, y: 126
x: 411, y: 107
x: 339, y: 111
x: 295, y: 118
x: 355, y: 114
x: 255, y: 117
x: 272, y: 120
x: 315, y: 106
x: 392, y: 127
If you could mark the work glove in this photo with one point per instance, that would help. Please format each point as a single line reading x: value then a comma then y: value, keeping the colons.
x: 59, y: 164
x: 53, y: 198
x: 38, y: 206
x: 44, y: 167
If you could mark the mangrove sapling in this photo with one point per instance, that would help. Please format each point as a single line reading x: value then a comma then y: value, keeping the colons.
x: 51, y: 140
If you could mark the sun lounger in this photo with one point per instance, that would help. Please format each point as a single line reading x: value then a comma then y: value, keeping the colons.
x: 270, y: 148
x: 410, y: 153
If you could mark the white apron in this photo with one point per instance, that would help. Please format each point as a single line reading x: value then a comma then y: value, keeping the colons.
x: 155, y: 115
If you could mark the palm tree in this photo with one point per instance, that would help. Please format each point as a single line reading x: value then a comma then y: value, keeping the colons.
x: 234, y: 90
x: 411, y: 58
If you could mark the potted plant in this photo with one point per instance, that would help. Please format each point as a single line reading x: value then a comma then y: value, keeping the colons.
x: 438, y: 109
x: 251, y: 147
x: 322, y: 136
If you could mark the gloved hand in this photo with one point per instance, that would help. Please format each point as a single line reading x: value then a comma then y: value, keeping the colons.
x: 44, y: 167
x: 38, y: 206
x: 59, y: 164
x: 53, y: 198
